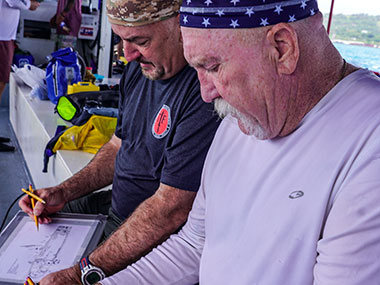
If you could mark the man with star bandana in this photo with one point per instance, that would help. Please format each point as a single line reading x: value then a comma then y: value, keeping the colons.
x: 290, y: 189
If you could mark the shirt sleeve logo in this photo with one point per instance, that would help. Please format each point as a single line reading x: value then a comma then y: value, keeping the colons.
x: 162, y: 123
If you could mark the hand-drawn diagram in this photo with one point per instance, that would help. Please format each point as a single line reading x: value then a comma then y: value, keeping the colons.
x: 36, y: 254
x: 47, y: 252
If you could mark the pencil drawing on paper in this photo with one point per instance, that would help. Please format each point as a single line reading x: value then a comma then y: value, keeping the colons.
x: 46, y: 253
x: 26, y: 252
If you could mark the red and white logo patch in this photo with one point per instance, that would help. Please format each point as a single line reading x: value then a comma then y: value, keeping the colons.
x: 162, y: 123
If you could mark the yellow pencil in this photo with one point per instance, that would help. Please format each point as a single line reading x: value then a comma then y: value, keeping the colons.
x: 33, y: 205
x: 33, y: 196
x: 30, y: 281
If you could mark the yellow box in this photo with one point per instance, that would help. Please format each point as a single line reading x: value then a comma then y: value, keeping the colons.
x: 82, y: 87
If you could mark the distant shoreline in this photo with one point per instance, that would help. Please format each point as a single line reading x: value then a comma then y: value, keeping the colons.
x: 355, y: 43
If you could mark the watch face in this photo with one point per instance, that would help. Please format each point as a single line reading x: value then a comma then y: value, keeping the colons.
x: 93, y: 277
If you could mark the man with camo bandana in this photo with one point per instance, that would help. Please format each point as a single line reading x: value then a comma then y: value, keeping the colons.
x: 155, y: 158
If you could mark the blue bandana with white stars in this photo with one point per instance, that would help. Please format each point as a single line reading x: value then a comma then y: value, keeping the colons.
x: 234, y: 14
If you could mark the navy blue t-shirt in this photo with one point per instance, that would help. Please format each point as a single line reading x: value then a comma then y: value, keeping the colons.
x: 166, y: 130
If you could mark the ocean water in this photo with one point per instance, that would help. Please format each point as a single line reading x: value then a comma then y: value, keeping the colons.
x: 362, y: 56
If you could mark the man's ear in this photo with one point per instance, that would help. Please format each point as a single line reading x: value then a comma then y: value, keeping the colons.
x: 284, y: 47
x: 180, y: 30
x: 180, y: 37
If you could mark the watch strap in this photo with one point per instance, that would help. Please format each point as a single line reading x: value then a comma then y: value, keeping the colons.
x: 87, y: 268
x: 85, y: 262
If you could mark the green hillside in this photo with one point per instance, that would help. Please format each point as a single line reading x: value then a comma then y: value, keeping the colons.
x: 359, y: 28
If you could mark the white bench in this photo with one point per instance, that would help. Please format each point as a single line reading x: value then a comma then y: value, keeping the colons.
x: 34, y: 123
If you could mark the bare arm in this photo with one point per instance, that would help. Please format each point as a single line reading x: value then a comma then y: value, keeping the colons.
x: 96, y: 175
x: 151, y: 223
x: 175, y: 261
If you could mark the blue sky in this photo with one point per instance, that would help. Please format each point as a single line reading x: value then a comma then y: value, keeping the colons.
x: 371, y: 7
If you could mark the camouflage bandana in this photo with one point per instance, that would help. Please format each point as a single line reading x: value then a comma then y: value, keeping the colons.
x: 140, y: 12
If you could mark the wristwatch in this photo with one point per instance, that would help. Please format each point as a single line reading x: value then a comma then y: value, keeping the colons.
x: 90, y: 273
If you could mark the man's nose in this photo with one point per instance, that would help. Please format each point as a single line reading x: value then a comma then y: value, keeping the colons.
x: 130, y: 52
x: 208, y: 89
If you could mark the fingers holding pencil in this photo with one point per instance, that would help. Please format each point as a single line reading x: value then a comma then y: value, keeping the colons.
x: 32, y: 195
x: 33, y: 198
x: 25, y: 204
x: 33, y: 205
x: 49, y: 201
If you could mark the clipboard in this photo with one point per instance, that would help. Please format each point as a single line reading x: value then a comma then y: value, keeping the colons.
x: 24, y: 251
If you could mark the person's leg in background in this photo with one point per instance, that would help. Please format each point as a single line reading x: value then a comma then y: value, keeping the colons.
x: 6, y: 56
x: 2, y: 87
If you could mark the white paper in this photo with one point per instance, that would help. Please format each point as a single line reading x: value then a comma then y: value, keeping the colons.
x: 37, y: 253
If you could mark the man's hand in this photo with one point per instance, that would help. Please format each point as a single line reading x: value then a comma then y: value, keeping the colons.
x: 92, y: 177
x: 60, y: 18
x: 54, y: 202
x: 67, y: 276
x: 34, y: 5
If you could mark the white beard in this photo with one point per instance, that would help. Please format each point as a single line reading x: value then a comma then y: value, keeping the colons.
x: 250, y: 125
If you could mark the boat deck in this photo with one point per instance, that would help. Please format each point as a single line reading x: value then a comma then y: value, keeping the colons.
x: 14, y: 173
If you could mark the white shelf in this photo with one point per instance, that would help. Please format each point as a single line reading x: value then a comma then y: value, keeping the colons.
x: 34, y: 123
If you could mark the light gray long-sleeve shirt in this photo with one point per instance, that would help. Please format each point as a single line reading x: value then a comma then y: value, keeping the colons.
x: 301, y: 209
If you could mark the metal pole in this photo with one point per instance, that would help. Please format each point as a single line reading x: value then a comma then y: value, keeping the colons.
x: 330, y: 16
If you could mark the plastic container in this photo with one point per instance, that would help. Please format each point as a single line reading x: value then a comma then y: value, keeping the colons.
x: 82, y: 87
